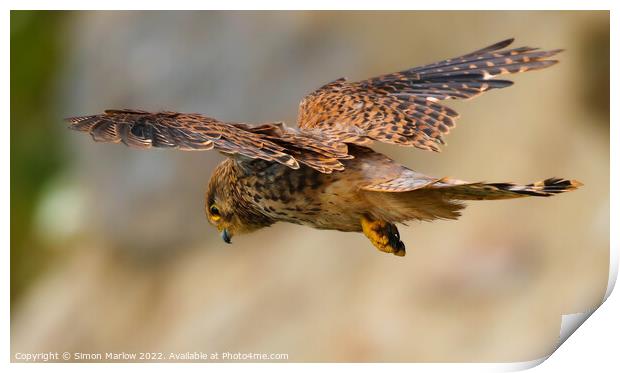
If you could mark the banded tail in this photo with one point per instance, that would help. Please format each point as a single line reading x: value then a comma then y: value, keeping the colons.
x: 426, y: 199
x: 414, y: 196
x: 491, y: 191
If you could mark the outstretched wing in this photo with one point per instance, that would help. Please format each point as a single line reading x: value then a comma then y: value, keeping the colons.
x: 271, y: 142
x: 401, y: 108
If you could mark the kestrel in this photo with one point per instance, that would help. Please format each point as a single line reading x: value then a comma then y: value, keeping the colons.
x: 324, y: 174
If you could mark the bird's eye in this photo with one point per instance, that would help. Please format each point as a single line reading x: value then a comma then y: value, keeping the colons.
x: 215, y: 212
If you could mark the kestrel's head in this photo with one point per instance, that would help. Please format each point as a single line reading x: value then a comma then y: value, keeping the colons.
x: 226, y: 209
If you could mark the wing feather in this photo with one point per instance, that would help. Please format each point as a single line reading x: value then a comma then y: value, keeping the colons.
x: 401, y: 108
x: 271, y: 142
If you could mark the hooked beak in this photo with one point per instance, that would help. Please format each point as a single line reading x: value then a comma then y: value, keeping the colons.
x: 225, y: 235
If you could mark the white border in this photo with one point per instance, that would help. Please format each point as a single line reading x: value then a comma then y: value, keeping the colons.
x: 591, y: 348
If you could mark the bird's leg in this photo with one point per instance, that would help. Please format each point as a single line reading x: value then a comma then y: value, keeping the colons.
x: 383, y: 235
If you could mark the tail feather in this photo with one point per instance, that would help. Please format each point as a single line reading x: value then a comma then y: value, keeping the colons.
x: 418, y: 197
x: 491, y: 191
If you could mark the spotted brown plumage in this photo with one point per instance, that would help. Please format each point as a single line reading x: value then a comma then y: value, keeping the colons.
x: 323, y: 174
x: 401, y: 108
x: 271, y: 141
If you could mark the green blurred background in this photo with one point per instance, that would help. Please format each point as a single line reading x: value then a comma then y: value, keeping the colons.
x: 110, y: 250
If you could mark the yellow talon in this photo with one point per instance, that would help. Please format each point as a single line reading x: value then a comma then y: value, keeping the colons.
x: 383, y: 235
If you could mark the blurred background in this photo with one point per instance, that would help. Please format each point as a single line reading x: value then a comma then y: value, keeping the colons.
x: 111, y: 251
